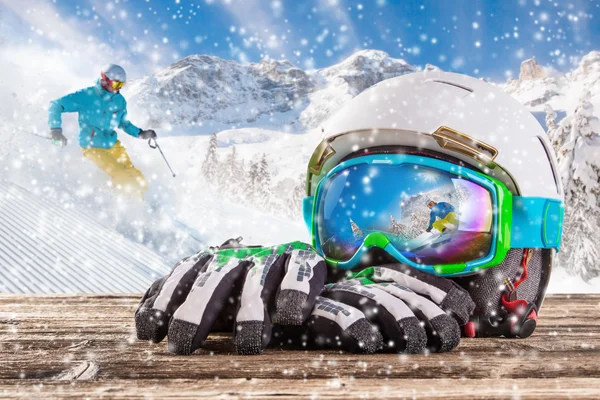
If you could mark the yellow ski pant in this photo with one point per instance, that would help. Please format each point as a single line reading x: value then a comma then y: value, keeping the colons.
x: 450, y: 218
x: 115, y: 163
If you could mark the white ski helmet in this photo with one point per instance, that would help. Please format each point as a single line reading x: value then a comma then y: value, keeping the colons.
x: 113, y: 72
x: 458, y: 115
x: 466, y: 120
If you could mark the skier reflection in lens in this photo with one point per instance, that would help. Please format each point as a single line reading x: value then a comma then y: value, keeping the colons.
x: 446, y: 214
x: 101, y: 109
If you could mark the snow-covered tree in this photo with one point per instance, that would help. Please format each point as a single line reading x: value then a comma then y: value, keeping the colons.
x: 210, y: 166
x: 252, y: 181
x: 264, y: 193
x: 577, y: 144
x: 264, y: 176
x: 231, y: 174
x: 550, y: 117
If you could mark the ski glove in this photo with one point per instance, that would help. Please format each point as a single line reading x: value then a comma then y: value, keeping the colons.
x: 147, y: 134
x: 251, y: 288
x: 394, y: 308
x: 58, y: 137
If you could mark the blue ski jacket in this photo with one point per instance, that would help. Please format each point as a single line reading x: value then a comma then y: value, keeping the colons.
x: 100, y: 112
x: 440, y: 210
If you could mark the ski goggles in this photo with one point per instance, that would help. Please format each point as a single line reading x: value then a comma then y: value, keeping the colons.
x: 433, y: 215
x: 116, y: 85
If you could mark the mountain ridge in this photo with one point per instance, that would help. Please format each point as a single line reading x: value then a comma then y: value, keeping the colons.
x: 206, y: 93
x: 202, y: 94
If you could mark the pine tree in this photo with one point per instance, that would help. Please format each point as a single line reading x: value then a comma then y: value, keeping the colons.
x: 230, y: 174
x: 262, y: 185
x: 210, y: 166
x: 241, y: 176
x: 263, y: 173
x: 574, y: 139
x: 252, y: 182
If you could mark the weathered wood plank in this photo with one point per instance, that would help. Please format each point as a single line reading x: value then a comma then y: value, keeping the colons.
x: 74, y: 346
x: 342, y: 388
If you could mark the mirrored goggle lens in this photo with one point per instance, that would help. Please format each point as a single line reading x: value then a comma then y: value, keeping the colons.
x: 405, y: 202
x: 117, y: 84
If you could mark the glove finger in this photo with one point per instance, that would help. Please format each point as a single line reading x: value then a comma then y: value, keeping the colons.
x: 165, y: 296
x: 334, y: 324
x: 399, y: 326
x: 253, y: 326
x: 305, y: 275
x: 443, y: 332
x: 450, y: 297
x: 293, y: 276
x: 193, y: 320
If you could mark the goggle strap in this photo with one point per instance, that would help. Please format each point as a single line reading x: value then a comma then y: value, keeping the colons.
x: 307, y: 211
x: 537, y: 223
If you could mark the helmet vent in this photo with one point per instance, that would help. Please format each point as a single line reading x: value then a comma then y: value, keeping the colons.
x: 450, y: 84
x: 459, y: 142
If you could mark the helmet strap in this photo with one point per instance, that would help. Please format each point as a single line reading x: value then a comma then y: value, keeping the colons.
x: 521, y: 320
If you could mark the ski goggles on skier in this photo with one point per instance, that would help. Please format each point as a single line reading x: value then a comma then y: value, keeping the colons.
x: 116, y: 85
x: 436, y: 216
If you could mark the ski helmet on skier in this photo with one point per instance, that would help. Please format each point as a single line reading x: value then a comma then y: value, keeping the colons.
x: 453, y: 131
x: 113, y: 76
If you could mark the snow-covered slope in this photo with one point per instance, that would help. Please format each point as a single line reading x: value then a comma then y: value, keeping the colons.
x: 206, y: 94
x: 45, y: 248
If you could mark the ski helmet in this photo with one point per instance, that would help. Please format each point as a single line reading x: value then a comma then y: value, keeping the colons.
x: 468, y: 122
x: 113, y: 76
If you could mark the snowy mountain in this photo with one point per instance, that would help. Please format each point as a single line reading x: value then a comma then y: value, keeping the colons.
x: 205, y: 93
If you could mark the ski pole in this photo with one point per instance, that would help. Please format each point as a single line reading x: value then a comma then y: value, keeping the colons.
x: 156, y: 146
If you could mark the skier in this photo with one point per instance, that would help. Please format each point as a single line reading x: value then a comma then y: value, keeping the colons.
x: 445, y: 212
x: 101, y: 109
x: 490, y: 282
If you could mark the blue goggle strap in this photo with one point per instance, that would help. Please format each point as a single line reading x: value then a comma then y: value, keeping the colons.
x: 307, y: 211
x: 537, y: 223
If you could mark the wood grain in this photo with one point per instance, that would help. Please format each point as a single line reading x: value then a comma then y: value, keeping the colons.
x: 65, y: 346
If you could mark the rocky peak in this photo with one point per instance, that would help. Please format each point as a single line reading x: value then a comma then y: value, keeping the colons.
x: 530, y: 70
x: 366, y: 68
x: 281, y: 71
x: 366, y: 61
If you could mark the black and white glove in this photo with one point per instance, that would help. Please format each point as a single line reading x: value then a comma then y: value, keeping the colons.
x: 393, y: 308
x: 57, y: 137
x: 147, y: 134
x: 247, y: 289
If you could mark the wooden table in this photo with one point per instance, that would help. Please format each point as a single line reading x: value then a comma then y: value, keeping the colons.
x: 85, y: 346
